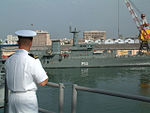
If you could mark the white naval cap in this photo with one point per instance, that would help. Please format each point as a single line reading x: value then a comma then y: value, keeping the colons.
x: 26, y: 33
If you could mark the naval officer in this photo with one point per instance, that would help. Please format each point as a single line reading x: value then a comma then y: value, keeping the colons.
x: 23, y: 74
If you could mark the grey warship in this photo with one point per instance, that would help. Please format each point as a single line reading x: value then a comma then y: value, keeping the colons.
x: 83, y: 56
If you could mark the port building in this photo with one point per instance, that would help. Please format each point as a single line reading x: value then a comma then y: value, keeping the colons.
x: 94, y: 35
x: 41, y: 39
x: 11, y: 39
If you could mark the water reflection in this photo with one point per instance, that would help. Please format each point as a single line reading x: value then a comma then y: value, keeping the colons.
x: 125, y: 80
x: 88, y: 75
x: 94, y: 77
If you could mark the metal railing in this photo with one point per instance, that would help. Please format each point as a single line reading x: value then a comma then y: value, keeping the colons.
x: 61, y: 97
x: 116, y: 94
x: 75, y: 88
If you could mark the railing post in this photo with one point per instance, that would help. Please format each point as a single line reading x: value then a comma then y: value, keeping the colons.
x: 74, y: 98
x: 61, y: 97
x: 6, y: 96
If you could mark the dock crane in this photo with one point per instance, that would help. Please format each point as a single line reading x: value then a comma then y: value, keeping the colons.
x: 144, y: 34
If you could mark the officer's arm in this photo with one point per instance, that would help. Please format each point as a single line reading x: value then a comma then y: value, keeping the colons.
x: 39, y: 73
x: 44, y: 82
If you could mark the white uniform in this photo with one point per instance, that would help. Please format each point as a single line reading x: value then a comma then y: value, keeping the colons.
x: 23, y: 73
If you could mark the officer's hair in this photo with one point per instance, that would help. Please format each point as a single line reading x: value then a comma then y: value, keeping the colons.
x: 24, y: 40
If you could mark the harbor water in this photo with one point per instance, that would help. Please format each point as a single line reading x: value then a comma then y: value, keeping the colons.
x: 133, y: 81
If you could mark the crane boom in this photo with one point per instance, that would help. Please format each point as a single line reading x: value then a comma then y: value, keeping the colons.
x: 144, y: 35
x: 133, y: 14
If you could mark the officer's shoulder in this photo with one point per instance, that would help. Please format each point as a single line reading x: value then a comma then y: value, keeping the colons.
x: 33, y: 56
x: 11, y: 55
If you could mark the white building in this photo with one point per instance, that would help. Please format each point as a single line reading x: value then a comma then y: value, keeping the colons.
x: 11, y: 39
x: 129, y: 41
x: 89, y: 41
x: 109, y: 41
x: 98, y: 41
x: 136, y: 41
x: 119, y: 41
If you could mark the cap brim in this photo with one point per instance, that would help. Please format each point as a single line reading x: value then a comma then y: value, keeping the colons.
x: 26, y: 33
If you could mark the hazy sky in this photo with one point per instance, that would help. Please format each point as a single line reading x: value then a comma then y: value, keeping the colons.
x: 55, y: 16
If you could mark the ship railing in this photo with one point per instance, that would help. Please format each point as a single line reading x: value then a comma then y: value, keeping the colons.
x: 61, y: 98
x: 75, y: 88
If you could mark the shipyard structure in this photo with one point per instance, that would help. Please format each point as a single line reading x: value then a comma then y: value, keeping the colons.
x: 88, y: 55
x: 42, y: 43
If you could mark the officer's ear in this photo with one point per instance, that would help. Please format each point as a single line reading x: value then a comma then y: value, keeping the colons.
x: 30, y: 43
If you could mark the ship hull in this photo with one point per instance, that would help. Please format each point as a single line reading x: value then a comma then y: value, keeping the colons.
x: 93, y: 62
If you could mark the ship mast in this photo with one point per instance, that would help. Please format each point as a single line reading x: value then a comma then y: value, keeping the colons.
x: 75, y: 35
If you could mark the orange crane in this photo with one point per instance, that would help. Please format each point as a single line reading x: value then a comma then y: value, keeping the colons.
x: 144, y: 32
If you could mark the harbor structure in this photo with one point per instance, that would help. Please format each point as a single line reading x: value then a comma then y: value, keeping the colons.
x: 42, y: 38
x: 98, y: 45
x: 11, y: 39
x: 90, y: 53
x: 94, y: 35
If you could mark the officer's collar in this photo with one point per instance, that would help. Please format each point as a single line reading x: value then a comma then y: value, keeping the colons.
x: 22, y: 50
